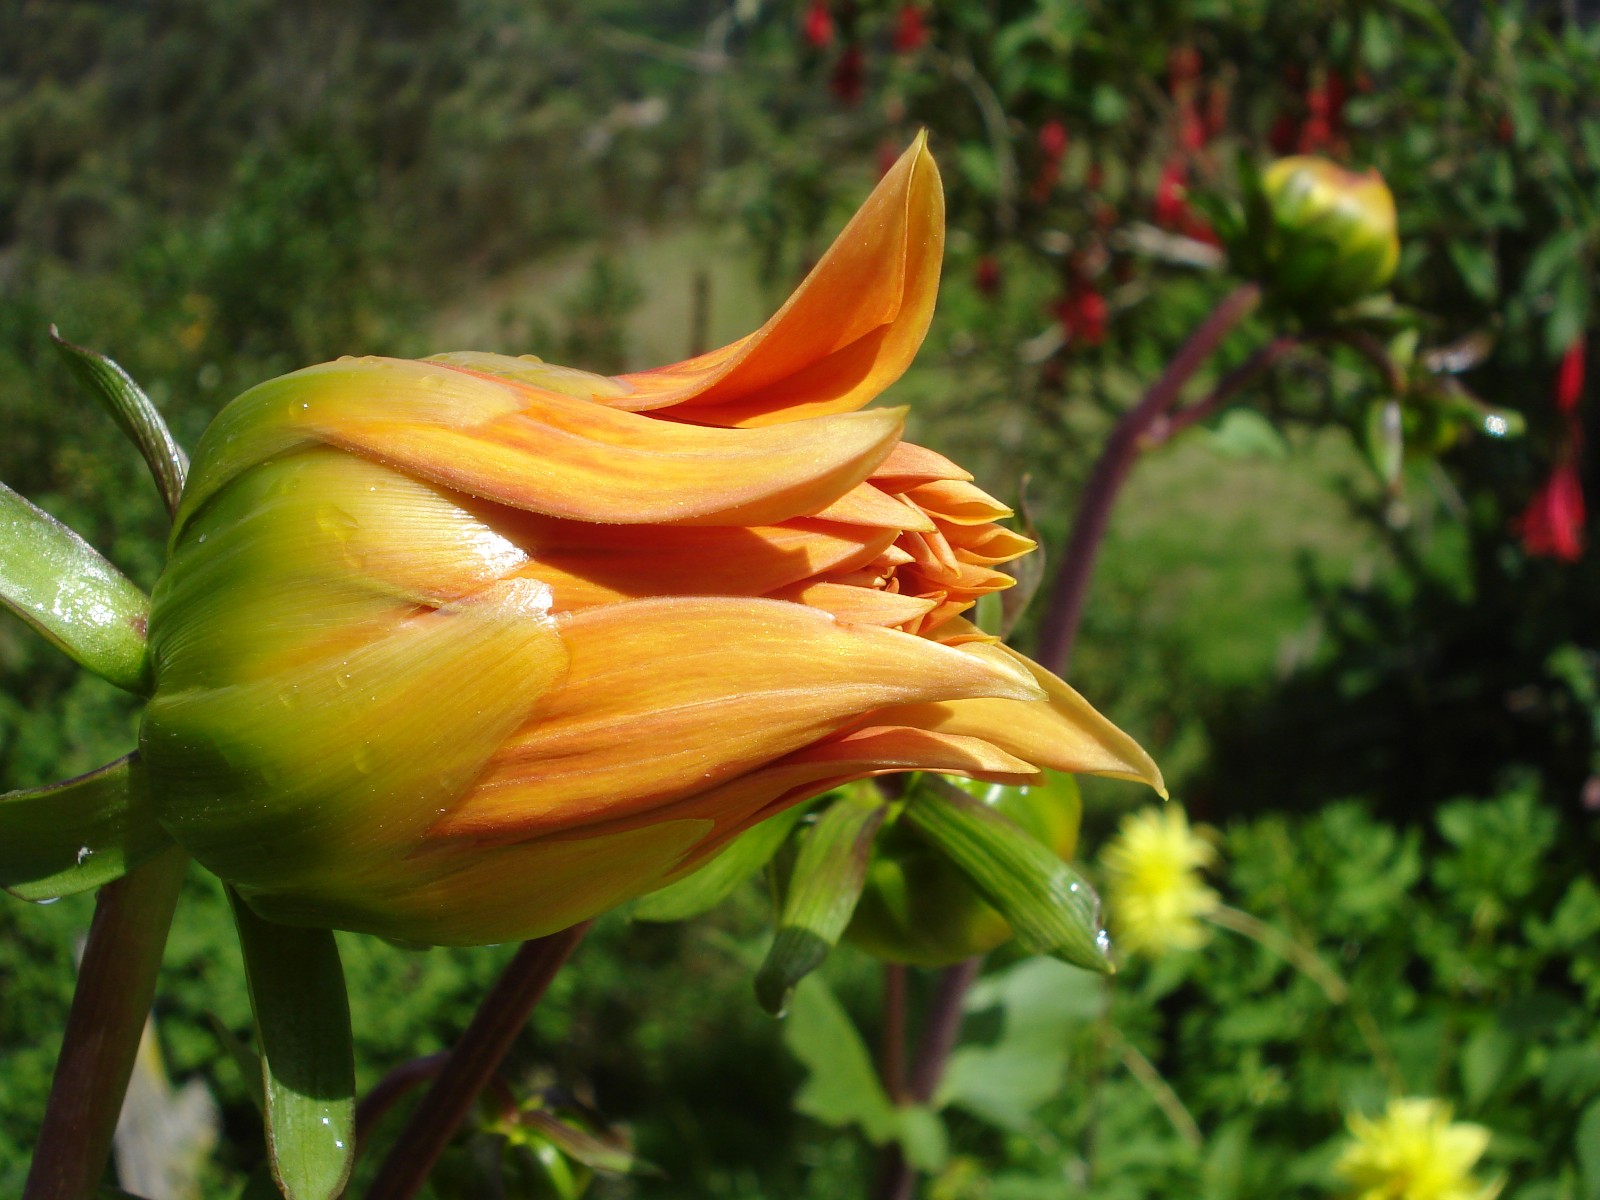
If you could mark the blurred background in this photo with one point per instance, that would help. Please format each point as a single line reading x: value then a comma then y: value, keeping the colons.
x: 1369, y: 664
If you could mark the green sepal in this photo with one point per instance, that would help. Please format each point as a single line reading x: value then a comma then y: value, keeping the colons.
x: 829, y: 873
x: 577, y: 1144
x: 1050, y: 907
x: 69, y: 837
x: 302, y: 1017
x: 704, y: 889
x: 1028, y: 570
x: 60, y: 585
x: 128, y: 405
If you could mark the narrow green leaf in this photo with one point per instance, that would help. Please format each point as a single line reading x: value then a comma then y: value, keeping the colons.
x: 73, y: 836
x: 59, y: 584
x: 713, y: 883
x: 127, y: 403
x: 1051, y: 908
x: 246, y: 1060
x: 828, y: 877
x: 308, y: 1067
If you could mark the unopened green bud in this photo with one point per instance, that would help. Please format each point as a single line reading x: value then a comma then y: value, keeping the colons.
x: 1331, y: 236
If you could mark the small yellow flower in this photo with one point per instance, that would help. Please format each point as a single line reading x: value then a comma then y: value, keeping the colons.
x: 1414, y: 1151
x: 1154, y: 894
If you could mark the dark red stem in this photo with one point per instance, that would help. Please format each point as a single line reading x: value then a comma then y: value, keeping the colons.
x: 893, y: 1065
x: 1059, y: 628
x: 941, y: 1026
x: 1229, y: 386
x: 116, y: 982
x: 472, y: 1063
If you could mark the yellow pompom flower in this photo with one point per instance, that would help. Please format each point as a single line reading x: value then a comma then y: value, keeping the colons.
x: 1414, y: 1151
x: 1154, y: 895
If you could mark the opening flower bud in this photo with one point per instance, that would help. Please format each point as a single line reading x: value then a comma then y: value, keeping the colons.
x: 468, y: 649
x: 1332, y: 236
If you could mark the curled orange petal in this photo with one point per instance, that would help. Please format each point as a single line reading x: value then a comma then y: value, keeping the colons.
x: 848, y: 332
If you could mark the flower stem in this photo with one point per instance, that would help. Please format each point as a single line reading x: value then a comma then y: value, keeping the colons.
x: 472, y: 1063
x: 1301, y: 957
x: 1059, y: 628
x: 940, y: 1028
x: 893, y: 1064
x: 116, y: 982
x: 1167, y: 1100
x: 1310, y: 964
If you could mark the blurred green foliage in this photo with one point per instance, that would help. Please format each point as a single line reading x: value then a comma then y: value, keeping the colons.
x: 217, y: 192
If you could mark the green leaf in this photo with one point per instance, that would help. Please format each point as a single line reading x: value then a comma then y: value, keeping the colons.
x: 1486, y: 1060
x: 713, y: 883
x: 1384, y: 435
x: 1476, y: 265
x: 59, y: 584
x: 73, y: 836
x: 308, y: 1068
x: 1570, y: 314
x: 842, y: 1088
x: 128, y: 405
x: 1587, y: 1144
x: 1244, y: 433
x: 921, y: 1134
x: 1042, y: 1002
x: 828, y: 877
x: 1050, y: 907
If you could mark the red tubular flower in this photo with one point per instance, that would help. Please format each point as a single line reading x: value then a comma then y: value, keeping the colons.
x: 818, y: 25
x: 910, y: 29
x: 1569, y: 377
x: 1552, y: 524
x: 1084, y: 314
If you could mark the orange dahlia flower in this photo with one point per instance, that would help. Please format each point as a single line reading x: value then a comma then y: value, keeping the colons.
x: 472, y: 648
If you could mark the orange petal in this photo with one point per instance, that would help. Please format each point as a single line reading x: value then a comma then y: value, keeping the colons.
x: 873, y: 750
x: 665, y: 698
x: 588, y: 564
x: 571, y: 458
x: 958, y: 502
x: 857, y: 605
x: 1062, y: 732
x: 847, y: 333
x: 500, y: 440
x: 866, y: 505
x: 987, y: 544
x: 909, y: 465
x: 461, y: 894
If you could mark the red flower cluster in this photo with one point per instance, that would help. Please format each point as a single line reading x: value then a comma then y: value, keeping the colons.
x: 818, y: 25
x: 1195, y: 129
x: 1319, y: 127
x: 1552, y: 524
